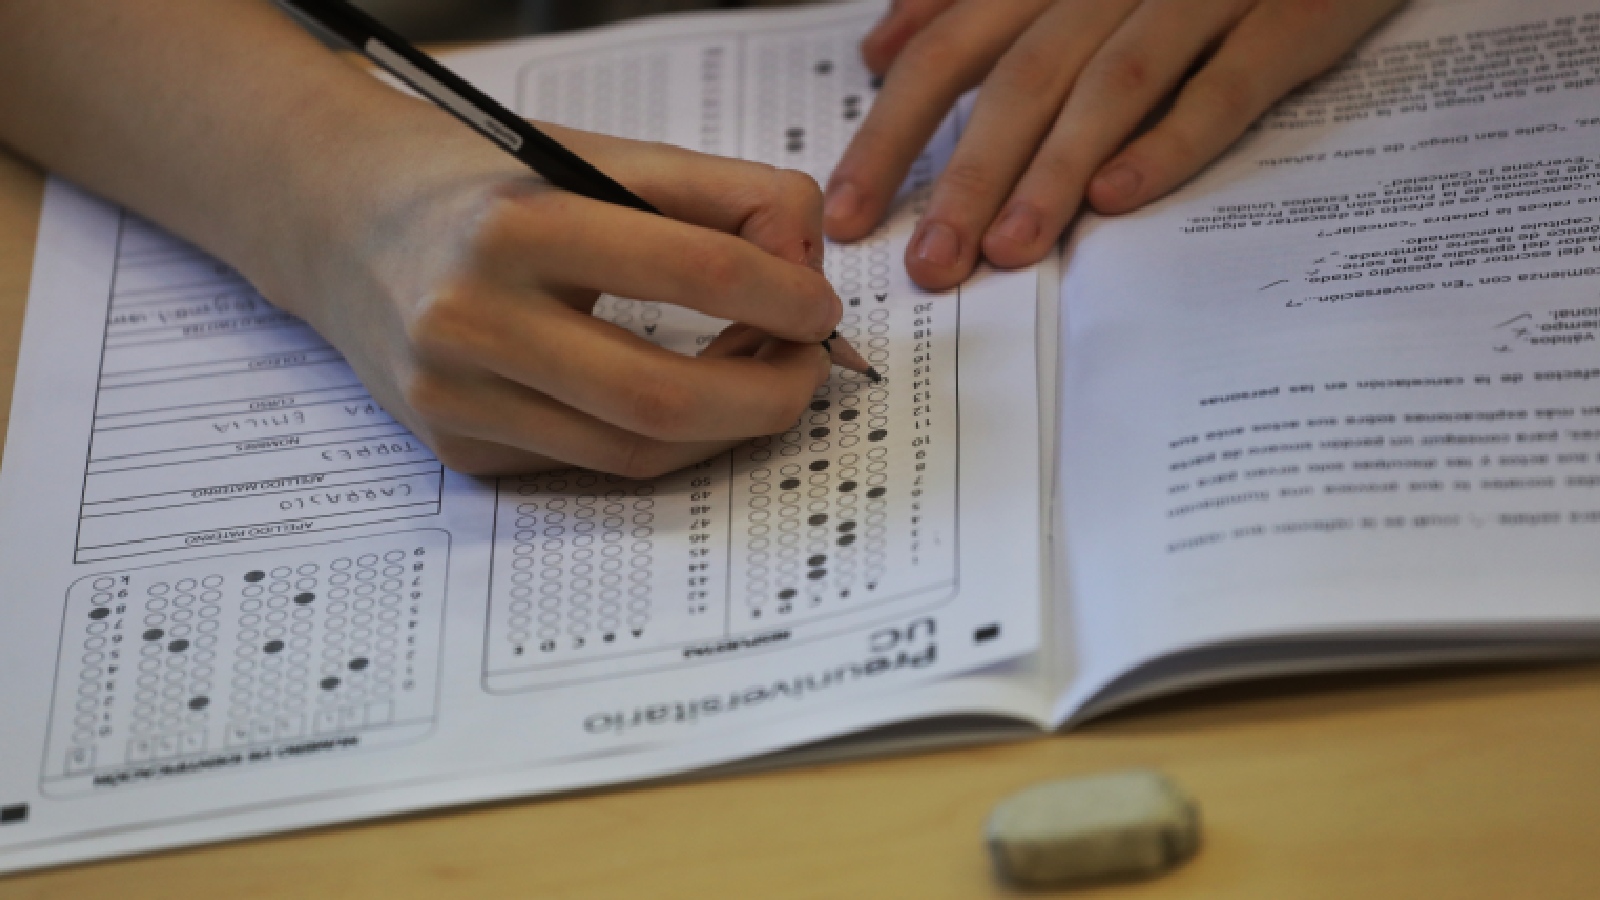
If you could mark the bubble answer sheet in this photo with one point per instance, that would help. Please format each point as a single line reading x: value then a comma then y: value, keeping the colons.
x: 1329, y: 405
x: 239, y: 597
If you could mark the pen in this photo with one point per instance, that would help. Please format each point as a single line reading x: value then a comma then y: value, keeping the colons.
x: 512, y: 133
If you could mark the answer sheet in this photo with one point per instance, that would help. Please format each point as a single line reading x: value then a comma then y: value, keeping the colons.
x: 240, y: 597
x: 1360, y: 394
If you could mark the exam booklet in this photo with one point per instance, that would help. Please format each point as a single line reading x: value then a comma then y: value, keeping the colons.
x: 1334, y: 403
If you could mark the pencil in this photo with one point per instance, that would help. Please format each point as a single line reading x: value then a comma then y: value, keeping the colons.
x: 478, y: 111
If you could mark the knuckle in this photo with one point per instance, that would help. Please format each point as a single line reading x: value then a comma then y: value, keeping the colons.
x: 463, y: 456
x: 1173, y: 146
x: 432, y: 398
x: 1028, y: 71
x: 445, y: 325
x: 639, y: 458
x: 659, y: 408
x: 799, y: 189
x: 1228, y: 96
x: 713, y: 267
x: 498, y: 216
x: 1059, y: 170
x: 935, y: 50
x: 1121, y: 71
x: 533, y: 209
x: 759, y: 180
x: 506, y: 223
x: 969, y: 178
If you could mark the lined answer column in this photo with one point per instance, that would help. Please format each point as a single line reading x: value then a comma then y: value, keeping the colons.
x: 221, y: 418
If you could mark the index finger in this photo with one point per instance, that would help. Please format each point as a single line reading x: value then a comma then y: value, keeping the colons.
x: 949, y: 56
x: 558, y: 239
x: 778, y: 210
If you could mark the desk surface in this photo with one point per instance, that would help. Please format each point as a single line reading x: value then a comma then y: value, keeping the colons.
x: 1468, y: 783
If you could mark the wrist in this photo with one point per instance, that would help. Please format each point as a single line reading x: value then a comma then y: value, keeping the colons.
x: 369, y: 181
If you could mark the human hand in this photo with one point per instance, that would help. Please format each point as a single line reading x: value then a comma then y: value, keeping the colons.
x: 1065, y: 84
x: 457, y: 285
x: 461, y: 292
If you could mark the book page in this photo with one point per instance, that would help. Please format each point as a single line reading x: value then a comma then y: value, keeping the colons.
x: 240, y: 597
x: 1345, y: 382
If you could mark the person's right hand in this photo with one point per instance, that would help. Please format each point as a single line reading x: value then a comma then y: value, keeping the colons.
x: 460, y: 288
x: 458, y: 285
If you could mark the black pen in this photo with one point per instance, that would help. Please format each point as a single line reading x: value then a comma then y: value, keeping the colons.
x: 452, y: 93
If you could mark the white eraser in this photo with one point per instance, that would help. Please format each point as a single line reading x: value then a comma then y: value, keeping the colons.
x: 1095, y: 828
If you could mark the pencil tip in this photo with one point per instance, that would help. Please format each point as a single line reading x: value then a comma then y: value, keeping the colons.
x: 873, y: 374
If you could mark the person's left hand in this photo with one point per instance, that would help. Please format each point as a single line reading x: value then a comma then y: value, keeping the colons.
x: 1065, y: 83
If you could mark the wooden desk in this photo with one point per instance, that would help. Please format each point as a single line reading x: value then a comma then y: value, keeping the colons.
x: 1481, y: 783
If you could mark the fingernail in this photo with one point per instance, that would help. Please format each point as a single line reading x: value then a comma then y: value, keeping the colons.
x: 1020, y: 225
x: 1121, y: 180
x: 843, y: 201
x: 938, y: 245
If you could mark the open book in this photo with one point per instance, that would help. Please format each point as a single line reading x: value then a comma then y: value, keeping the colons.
x: 1334, y: 403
